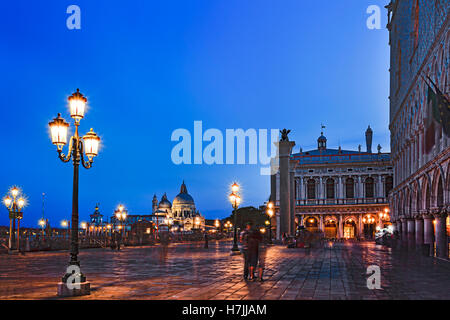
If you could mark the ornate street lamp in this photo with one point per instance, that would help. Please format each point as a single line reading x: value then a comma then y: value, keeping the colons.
x: 121, y: 215
x: 79, y: 147
x: 41, y: 223
x: 14, y: 202
x: 235, y: 200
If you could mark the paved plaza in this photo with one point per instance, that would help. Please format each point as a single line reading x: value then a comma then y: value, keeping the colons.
x: 188, y: 271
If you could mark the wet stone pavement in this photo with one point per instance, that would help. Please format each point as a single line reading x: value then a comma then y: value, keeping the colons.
x: 188, y: 271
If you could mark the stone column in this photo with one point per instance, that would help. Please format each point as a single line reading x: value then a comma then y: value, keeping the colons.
x: 441, y: 234
x: 302, y: 189
x: 300, y: 220
x: 293, y: 202
x: 277, y: 221
x: 404, y: 229
x: 321, y: 226
x: 360, y: 226
x: 341, y: 227
x: 284, y: 152
x: 398, y: 227
x: 419, y: 231
x: 321, y: 196
x: 420, y: 148
x: 380, y: 187
x: 428, y: 229
x: 411, y: 232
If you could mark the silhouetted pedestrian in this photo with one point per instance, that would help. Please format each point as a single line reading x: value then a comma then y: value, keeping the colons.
x: 243, y: 238
x: 254, y: 240
x: 206, y: 240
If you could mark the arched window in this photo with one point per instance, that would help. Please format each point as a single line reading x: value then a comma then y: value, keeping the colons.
x: 369, y: 188
x: 311, y: 189
x: 330, y: 188
x: 350, y: 188
x: 388, y: 185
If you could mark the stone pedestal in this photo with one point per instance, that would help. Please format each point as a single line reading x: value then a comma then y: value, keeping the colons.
x: 64, y: 291
x: 441, y: 235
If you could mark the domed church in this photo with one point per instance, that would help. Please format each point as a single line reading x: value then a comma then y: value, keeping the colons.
x: 182, y: 210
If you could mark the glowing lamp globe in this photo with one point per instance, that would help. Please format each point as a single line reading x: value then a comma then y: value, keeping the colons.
x: 77, y: 105
x: 58, y: 131
x: 235, y: 187
x: 7, y: 201
x: 21, y: 203
x: 91, y: 144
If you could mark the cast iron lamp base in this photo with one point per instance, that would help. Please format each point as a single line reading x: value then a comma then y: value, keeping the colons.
x: 83, y: 290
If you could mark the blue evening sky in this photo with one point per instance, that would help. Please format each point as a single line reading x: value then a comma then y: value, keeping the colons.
x: 149, y: 67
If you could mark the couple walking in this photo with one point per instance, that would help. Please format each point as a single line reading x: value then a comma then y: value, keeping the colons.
x: 253, y: 249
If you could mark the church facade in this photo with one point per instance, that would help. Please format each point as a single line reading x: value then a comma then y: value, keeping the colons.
x: 419, y: 40
x: 181, y: 211
x: 339, y: 193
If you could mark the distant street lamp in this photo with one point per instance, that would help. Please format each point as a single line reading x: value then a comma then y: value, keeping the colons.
x: 270, y: 212
x: 121, y: 215
x: 41, y: 223
x: 65, y: 224
x: 235, y: 200
x: 79, y: 147
x: 14, y: 202
x: 217, y: 224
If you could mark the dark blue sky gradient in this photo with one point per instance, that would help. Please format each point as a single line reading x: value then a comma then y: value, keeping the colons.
x: 150, y: 67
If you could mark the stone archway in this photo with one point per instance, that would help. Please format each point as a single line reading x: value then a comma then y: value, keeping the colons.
x: 331, y: 227
x: 311, y: 224
x: 369, y: 226
x: 350, y: 229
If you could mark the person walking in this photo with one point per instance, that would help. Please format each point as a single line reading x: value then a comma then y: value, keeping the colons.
x: 206, y: 240
x: 262, y: 259
x: 243, y: 239
x: 254, y: 240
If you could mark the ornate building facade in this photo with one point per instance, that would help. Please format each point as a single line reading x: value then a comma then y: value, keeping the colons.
x: 341, y: 193
x: 182, y: 214
x: 182, y: 211
x: 419, y: 39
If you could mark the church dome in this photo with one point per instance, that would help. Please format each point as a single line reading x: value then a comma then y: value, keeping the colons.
x: 164, y: 203
x: 183, y: 197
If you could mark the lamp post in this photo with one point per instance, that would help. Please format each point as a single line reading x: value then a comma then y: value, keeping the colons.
x: 41, y: 222
x: 270, y: 212
x: 79, y: 147
x: 121, y: 215
x: 235, y: 200
x: 14, y: 202
x: 217, y: 225
x: 65, y: 224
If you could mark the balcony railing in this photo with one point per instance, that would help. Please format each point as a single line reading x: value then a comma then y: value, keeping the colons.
x: 347, y: 201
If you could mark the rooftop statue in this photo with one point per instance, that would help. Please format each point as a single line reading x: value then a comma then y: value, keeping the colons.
x: 284, y: 134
